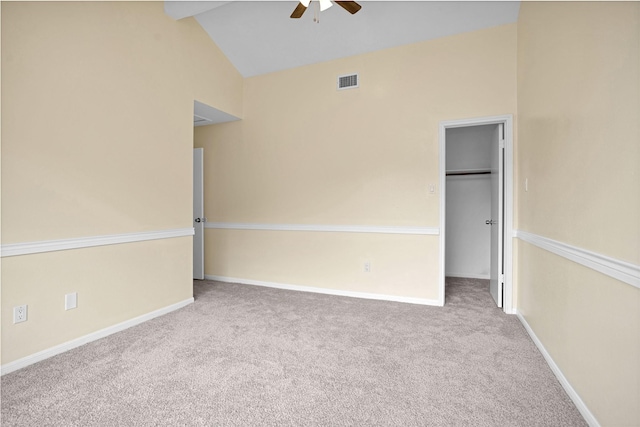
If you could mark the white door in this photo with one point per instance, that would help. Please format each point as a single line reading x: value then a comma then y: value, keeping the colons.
x: 198, y: 215
x: 496, y: 281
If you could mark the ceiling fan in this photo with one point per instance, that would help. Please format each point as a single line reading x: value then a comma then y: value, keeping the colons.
x: 350, y: 6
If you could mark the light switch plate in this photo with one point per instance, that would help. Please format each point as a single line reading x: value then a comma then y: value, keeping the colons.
x: 70, y: 301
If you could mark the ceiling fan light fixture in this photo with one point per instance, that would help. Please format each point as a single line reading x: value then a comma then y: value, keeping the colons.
x: 325, y: 4
x: 322, y: 5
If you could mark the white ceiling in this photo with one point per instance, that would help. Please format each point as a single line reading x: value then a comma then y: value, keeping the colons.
x: 258, y: 37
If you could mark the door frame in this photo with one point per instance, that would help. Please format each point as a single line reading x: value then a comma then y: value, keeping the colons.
x: 507, y: 120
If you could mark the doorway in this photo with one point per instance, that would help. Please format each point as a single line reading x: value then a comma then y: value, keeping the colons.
x: 476, y: 204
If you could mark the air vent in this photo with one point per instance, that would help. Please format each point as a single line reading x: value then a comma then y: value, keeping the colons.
x: 349, y: 81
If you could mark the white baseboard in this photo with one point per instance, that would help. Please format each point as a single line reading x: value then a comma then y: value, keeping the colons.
x: 582, y: 407
x: 365, y: 295
x: 61, y: 348
x: 468, y: 276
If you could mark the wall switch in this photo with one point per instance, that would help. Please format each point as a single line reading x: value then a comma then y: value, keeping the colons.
x: 432, y: 188
x: 526, y: 184
x: 20, y: 314
x: 70, y: 301
x: 367, y: 267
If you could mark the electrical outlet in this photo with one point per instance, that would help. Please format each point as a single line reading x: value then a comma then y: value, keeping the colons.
x: 367, y: 267
x: 20, y: 314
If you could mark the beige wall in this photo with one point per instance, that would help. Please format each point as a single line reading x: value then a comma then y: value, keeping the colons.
x: 114, y: 283
x: 97, y: 137
x: 578, y: 107
x: 306, y: 153
x: 579, y: 94
x: 214, y: 81
x: 402, y: 265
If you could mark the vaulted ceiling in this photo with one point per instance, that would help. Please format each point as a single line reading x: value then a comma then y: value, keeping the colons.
x: 259, y: 37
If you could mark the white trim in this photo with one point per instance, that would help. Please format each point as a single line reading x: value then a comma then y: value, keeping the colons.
x: 573, y: 394
x: 61, y: 348
x: 325, y: 228
x: 620, y: 270
x: 442, y: 178
x: 14, y: 249
x: 468, y: 276
x: 507, y: 120
x: 365, y: 295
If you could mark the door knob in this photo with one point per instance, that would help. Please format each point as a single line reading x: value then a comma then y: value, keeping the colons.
x: 490, y: 222
x: 198, y: 220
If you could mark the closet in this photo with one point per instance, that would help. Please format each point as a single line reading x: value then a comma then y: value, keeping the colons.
x: 468, y: 201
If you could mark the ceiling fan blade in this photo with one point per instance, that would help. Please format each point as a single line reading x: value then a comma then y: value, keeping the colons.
x: 298, y: 11
x: 350, y: 6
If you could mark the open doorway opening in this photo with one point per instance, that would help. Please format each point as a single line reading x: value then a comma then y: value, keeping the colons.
x: 203, y: 115
x: 468, y: 202
x: 476, y: 206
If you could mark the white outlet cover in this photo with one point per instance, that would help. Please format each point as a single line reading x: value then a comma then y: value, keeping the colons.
x: 20, y: 314
x: 70, y: 301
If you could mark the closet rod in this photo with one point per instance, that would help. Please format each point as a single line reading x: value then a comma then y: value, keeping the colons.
x: 468, y: 173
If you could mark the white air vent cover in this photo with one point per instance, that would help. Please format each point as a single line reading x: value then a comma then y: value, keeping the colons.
x: 348, y: 81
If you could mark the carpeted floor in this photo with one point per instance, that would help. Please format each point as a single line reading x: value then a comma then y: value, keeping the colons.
x: 251, y: 356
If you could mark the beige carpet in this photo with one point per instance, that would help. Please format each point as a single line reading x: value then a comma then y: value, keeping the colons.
x: 251, y: 356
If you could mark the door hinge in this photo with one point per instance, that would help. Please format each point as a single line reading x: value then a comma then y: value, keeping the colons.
x: 501, y: 143
x: 501, y: 278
